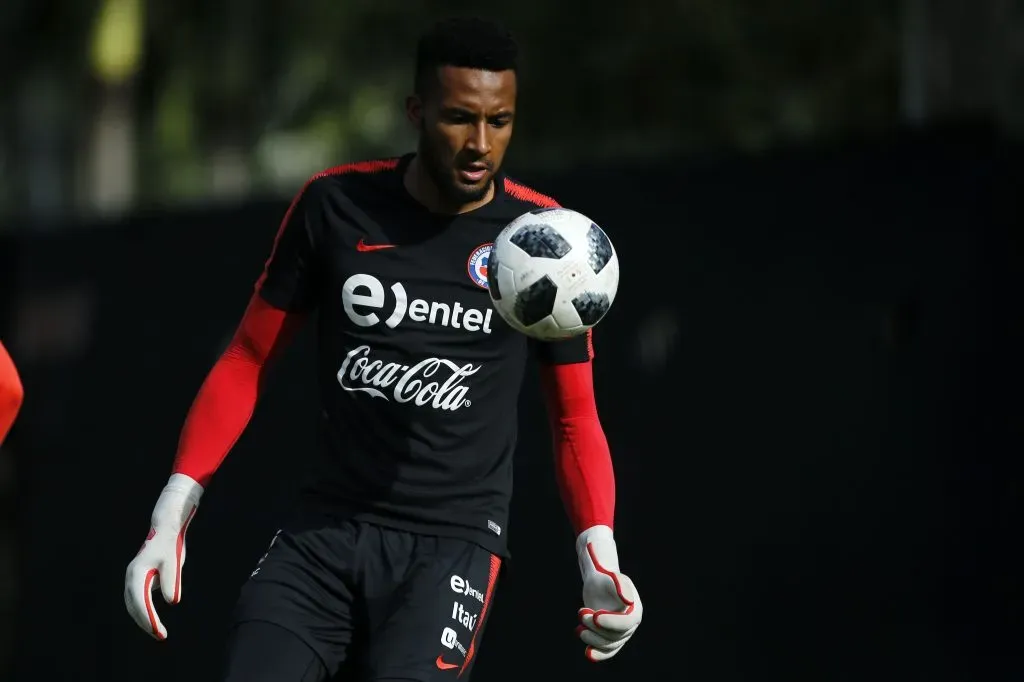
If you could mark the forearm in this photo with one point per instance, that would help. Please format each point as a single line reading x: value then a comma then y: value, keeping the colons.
x: 218, y: 416
x: 227, y: 399
x: 586, y: 478
x: 583, y: 463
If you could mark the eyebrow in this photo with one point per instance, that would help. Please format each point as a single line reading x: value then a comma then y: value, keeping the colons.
x: 457, y: 109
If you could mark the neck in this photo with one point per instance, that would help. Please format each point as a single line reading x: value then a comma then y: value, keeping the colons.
x: 424, y: 190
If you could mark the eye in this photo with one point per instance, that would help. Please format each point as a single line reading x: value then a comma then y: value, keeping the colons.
x: 457, y: 116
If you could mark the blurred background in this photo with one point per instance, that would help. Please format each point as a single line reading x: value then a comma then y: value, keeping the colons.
x: 811, y: 378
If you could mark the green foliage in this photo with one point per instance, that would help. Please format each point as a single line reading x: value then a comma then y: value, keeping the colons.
x: 294, y: 86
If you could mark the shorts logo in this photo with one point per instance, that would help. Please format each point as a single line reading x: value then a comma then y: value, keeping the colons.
x: 450, y: 640
x: 461, y: 615
x: 477, y: 265
x: 460, y: 585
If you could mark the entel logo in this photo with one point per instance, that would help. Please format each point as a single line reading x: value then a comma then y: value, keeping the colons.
x: 453, y: 315
x: 461, y: 586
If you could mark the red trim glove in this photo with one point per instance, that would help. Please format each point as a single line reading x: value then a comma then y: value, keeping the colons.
x: 162, y: 554
x: 612, y: 609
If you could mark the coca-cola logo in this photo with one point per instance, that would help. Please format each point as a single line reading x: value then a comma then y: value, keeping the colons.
x: 436, y: 382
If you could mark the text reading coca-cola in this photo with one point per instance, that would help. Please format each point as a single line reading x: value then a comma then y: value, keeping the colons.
x: 436, y: 382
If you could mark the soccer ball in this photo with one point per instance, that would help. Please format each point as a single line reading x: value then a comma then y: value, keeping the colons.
x: 552, y: 274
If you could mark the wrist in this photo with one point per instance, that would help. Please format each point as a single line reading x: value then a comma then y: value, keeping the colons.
x: 177, y: 502
x: 596, y: 550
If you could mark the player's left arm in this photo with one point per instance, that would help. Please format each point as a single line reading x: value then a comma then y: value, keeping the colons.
x: 612, y: 609
x: 11, y: 392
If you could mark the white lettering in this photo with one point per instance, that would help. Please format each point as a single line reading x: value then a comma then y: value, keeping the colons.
x: 418, y: 310
x: 450, y: 640
x: 463, y: 616
x: 460, y: 585
x: 362, y: 294
x: 350, y: 298
x: 401, y: 301
x: 472, y: 319
x: 439, y: 309
x: 419, y: 384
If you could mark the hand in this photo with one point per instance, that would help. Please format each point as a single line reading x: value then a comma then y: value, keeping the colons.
x: 612, y: 609
x: 162, y: 555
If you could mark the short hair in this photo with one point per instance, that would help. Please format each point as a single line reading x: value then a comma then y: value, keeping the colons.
x: 466, y: 42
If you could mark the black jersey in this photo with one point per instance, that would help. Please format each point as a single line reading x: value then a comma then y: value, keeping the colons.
x: 419, y: 376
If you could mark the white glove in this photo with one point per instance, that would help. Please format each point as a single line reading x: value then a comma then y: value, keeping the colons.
x: 612, y: 609
x: 162, y: 554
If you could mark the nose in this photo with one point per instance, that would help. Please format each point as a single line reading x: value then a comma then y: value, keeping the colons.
x: 480, y: 139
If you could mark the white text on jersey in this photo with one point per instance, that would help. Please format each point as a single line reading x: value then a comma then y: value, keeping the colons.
x: 366, y: 291
x: 418, y: 384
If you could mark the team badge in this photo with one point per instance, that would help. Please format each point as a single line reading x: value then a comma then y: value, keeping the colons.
x: 477, y: 264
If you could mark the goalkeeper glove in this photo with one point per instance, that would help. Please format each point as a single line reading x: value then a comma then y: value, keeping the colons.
x: 612, y: 610
x: 162, y: 554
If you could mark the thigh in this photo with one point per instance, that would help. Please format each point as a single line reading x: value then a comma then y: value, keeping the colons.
x: 432, y: 626
x: 264, y: 652
x: 303, y: 585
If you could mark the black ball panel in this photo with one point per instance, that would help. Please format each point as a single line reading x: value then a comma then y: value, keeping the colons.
x: 591, y: 307
x: 492, y: 275
x: 536, y: 301
x: 541, y: 241
x: 599, y: 248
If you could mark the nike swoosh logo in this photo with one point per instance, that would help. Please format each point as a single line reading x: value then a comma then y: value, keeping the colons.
x: 363, y: 246
x: 445, y: 666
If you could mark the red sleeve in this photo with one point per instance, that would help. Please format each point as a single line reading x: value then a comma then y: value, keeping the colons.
x: 228, y: 396
x: 11, y: 393
x: 583, y: 463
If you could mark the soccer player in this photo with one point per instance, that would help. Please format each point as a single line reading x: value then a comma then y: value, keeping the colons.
x: 388, y: 568
x: 11, y: 393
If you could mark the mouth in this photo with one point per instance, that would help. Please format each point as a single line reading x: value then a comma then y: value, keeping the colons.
x: 473, y: 173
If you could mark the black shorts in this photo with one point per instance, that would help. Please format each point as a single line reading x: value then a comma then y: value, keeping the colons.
x: 375, y: 602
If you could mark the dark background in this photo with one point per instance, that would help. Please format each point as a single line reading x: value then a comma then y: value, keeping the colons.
x: 811, y: 378
x: 818, y: 469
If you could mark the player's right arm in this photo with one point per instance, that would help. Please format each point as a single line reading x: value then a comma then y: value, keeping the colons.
x: 221, y: 411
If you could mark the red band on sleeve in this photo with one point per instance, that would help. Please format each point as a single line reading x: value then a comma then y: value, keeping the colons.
x: 583, y: 463
x: 227, y: 399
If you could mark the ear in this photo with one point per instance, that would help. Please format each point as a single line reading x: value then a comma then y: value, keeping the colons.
x: 414, y: 110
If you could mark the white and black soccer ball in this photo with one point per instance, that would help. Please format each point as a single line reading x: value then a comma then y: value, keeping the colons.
x: 552, y: 274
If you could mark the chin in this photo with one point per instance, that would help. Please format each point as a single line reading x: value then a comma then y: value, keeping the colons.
x: 465, y: 194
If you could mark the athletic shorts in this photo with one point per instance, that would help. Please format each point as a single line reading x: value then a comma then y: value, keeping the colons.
x: 376, y: 603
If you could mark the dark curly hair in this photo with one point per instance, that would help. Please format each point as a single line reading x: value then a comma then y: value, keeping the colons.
x: 469, y: 42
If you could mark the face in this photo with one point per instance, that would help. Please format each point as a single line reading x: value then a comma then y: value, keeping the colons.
x: 465, y: 125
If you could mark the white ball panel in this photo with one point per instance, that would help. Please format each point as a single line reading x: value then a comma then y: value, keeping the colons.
x: 572, y: 274
x: 564, y: 313
x: 547, y: 330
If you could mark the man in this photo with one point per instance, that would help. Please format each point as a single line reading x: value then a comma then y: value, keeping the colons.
x: 388, y: 569
x: 11, y: 393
